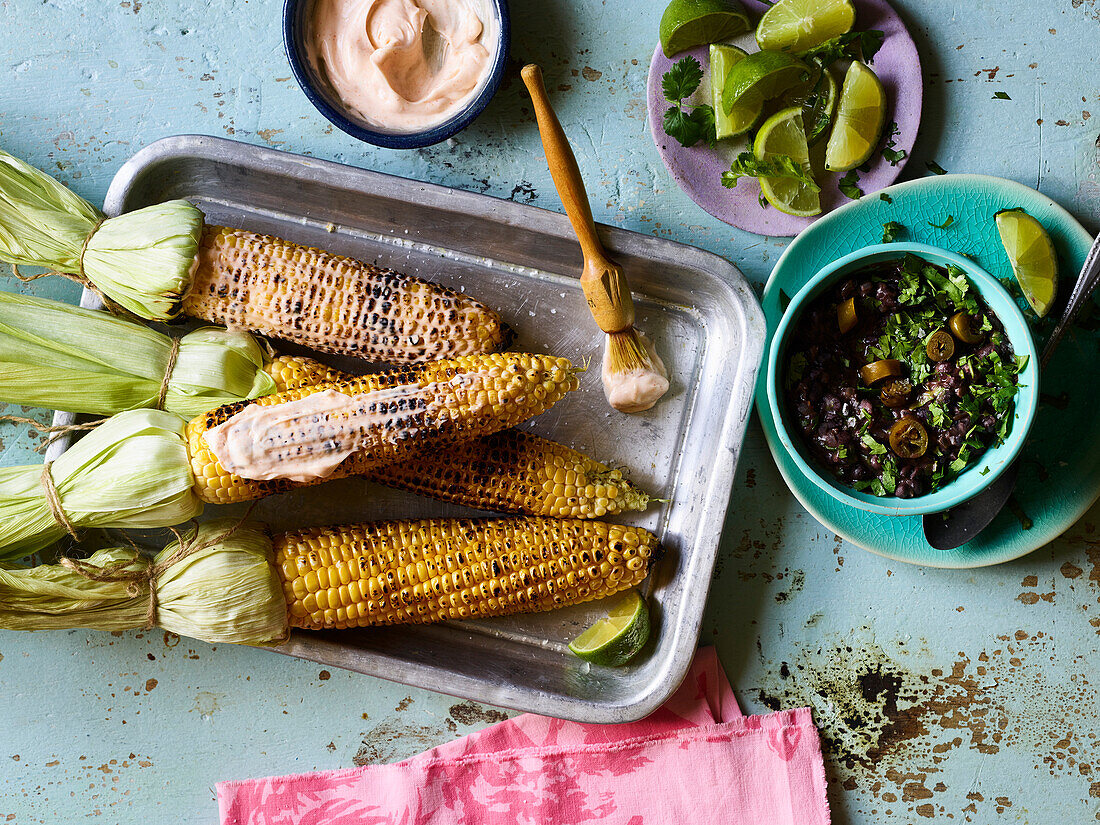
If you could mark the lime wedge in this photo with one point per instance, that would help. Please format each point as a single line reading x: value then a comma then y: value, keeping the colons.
x: 859, y: 119
x: 616, y: 639
x: 761, y: 76
x: 797, y: 26
x: 689, y: 23
x: 741, y: 118
x: 784, y: 134
x: 1031, y: 253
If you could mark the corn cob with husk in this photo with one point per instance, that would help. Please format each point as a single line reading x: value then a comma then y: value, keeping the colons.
x: 440, y: 403
x: 159, y: 260
x: 507, y: 472
x: 63, y: 357
x: 230, y: 583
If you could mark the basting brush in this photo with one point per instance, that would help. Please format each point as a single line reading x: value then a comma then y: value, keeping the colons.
x: 634, y: 376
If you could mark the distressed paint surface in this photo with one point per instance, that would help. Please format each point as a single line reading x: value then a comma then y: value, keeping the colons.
x: 965, y: 695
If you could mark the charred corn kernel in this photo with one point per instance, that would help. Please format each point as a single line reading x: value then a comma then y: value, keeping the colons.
x: 435, y: 569
x: 513, y: 472
x: 291, y: 372
x: 409, y: 429
x: 334, y: 304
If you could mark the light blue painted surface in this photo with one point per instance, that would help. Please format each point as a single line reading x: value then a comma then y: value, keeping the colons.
x: 969, y: 694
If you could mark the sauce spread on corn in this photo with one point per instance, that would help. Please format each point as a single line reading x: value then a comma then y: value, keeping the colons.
x: 403, y: 65
x: 635, y: 390
x: 307, y: 439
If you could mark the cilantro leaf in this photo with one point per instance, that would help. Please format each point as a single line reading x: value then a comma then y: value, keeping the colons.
x: 884, y: 197
x: 704, y: 116
x: 748, y: 165
x: 849, y: 186
x: 950, y: 220
x: 851, y: 46
x: 679, y: 125
x: 894, y: 156
x: 891, y: 230
x: 1001, y: 96
x: 682, y: 79
x: 935, y: 168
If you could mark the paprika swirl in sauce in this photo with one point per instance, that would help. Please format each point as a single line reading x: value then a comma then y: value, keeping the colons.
x: 899, y: 432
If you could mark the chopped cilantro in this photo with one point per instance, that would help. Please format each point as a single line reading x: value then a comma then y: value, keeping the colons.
x: 935, y: 168
x: 882, y: 196
x: 950, y: 220
x: 1001, y: 96
x: 891, y: 230
x: 849, y: 186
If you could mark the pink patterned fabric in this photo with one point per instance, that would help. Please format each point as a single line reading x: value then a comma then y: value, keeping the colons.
x: 697, y: 760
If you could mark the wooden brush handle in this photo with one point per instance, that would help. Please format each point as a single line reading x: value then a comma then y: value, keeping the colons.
x: 602, y: 279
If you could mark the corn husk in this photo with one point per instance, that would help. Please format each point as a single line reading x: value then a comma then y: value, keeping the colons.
x: 225, y: 593
x: 130, y: 472
x: 143, y: 260
x: 66, y: 358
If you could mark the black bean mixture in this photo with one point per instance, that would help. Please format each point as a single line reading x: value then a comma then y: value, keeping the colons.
x: 899, y: 377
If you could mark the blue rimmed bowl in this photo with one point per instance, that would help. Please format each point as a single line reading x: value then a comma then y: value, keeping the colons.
x: 981, y: 473
x: 297, y: 15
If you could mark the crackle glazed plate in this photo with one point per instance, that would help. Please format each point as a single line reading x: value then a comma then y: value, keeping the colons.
x: 698, y: 169
x: 1060, y: 464
x: 525, y: 262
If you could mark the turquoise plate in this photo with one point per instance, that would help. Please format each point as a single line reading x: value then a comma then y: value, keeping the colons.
x: 1060, y: 470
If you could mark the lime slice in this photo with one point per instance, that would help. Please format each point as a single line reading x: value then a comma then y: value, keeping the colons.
x: 689, y: 23
x: 859, y: 119
x: 616, y: 639
x: 742, y: 117
x: 798, y: 25
x: 1031, y: 253
x: 761, y: 76
x: 784, y: 134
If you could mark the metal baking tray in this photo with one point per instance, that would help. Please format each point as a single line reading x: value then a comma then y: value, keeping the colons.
x: 525, y: 262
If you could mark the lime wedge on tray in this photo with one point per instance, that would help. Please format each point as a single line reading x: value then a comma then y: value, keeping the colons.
x: 689, y: 23
x: 784, y: 134
x: 859, y: 118
x: 798, y: 25
x: 742, y: 117
x: 1031, y: 253
x: 617, y: 638
x: 761, y: 76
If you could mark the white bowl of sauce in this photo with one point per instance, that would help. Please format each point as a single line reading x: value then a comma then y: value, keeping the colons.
x: 398, y: 73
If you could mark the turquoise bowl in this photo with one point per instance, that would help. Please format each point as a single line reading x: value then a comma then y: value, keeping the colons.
x: 993, y: 461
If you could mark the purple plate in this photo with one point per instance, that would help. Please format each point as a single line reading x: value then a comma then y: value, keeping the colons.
x: 698, y: 169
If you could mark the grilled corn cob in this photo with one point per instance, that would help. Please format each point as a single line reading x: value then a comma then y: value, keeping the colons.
x: 402, y: 572
x: 472, y: 396
x: 334, y: 304
x: 508, y: 472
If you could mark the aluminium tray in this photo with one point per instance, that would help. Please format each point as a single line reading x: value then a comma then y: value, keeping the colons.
x: 523, y: 261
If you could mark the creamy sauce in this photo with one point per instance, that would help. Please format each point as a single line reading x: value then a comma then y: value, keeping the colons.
x: 638, y: 389
x: 307, y: 439
x: 404, y: 65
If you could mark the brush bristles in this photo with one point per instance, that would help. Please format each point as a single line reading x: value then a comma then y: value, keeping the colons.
x: 625, y: 352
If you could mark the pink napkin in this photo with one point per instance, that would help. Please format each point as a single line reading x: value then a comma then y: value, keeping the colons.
x: 697, y: 759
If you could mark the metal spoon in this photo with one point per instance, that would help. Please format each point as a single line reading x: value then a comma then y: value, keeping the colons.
x: 957, y: 526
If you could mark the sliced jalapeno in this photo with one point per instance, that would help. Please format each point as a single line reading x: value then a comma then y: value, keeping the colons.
x: 908, y: 438
x: 846, y: 316
x: 964, y: 326
x: 940, y: 346
x: 878, y: 370
x: 895, y: 393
